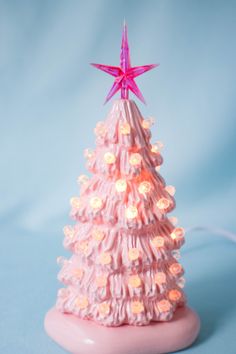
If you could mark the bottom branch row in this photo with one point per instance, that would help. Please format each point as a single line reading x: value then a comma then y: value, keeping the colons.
x: 115, y: 312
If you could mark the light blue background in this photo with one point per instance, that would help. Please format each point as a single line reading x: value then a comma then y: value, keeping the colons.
x: 50, y: 101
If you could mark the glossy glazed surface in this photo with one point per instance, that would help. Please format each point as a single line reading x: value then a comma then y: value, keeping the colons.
x: 85, y: 337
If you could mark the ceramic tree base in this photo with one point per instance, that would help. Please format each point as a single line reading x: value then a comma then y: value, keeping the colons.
x: 85, y: 337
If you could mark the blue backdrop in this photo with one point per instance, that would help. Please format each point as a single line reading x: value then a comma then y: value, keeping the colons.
x: 50, y: 101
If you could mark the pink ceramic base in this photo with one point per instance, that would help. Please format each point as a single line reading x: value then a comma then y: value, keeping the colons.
x: 85, y: 337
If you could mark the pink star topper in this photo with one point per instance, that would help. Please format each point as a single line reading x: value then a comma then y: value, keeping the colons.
x: 125, y: 74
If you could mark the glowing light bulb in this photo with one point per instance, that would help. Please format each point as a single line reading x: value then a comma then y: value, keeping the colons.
x: 147, y: 123
x: 181, y: 282
x: 177, y: 233
x: 121, y: 185
x: 158, y: 241
x: 68, y: 231
x: 157, y: 147
x: 160, y: 278
x: 133, y: 254
x: 137, y: 307
x: 75, y: 202
x: 98, y: 235
x: 134, y: 281
x: 109, y: 158
x: 173, y: 220
x: 63, y: 293
x: 82, y: 302
x: 105, y: 258
x: 81, y: 246
x: 174, y: 295
x: 61, y: 260
x: 88, y: 153
x: 101, y: 281
x: 171, y: 190
x: 95, y: 202
x: 144, y: 187
x: 104, y: 308
x: 164, y: 306
x: 176, y: 254
x: 100, y: 129
x: 78, y: 273
x: 176, y: 268
x: 125, y: 128
x: 157, y: 168
x: 135, y: 159
x: 163, y: 203
x: 82, y: 179
x: 131, y: 212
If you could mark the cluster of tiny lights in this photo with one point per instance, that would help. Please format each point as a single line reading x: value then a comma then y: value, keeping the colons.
x: 160, y: 278
x: 105, y: 258
x: 158, y: 241
x: 100, y: 129
x: 109, y: 158
x: 88, y: 153
x: 163, y: 203
x: 95, y: 202
x: 75, y: 202
x: 104, y: 308
x: 82, y: 302
x: 157, y: 147
x: 121, y: 185
x: 134, y: 281
x: 164, y: 306
x: 176, y: 268
x: 174, y: 295
x: 125, y: 128
x: 98, y: 235
x: 147, y: 123
x: 137, y: 307
x: 135, y: 159
x: 171, y: 190
x: 82, y: 179
x: 78, y: 273
x: 133, y: 254
x: 131, y: 212
x: 177, y: 233
x: 68, y: 231
x: 144, y: 187
x: 101, y: 281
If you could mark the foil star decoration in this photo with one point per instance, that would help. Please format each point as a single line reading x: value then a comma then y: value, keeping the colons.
x: 125, y: 73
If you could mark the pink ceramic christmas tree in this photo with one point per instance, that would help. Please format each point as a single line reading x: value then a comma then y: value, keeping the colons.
x: 124, y: 268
